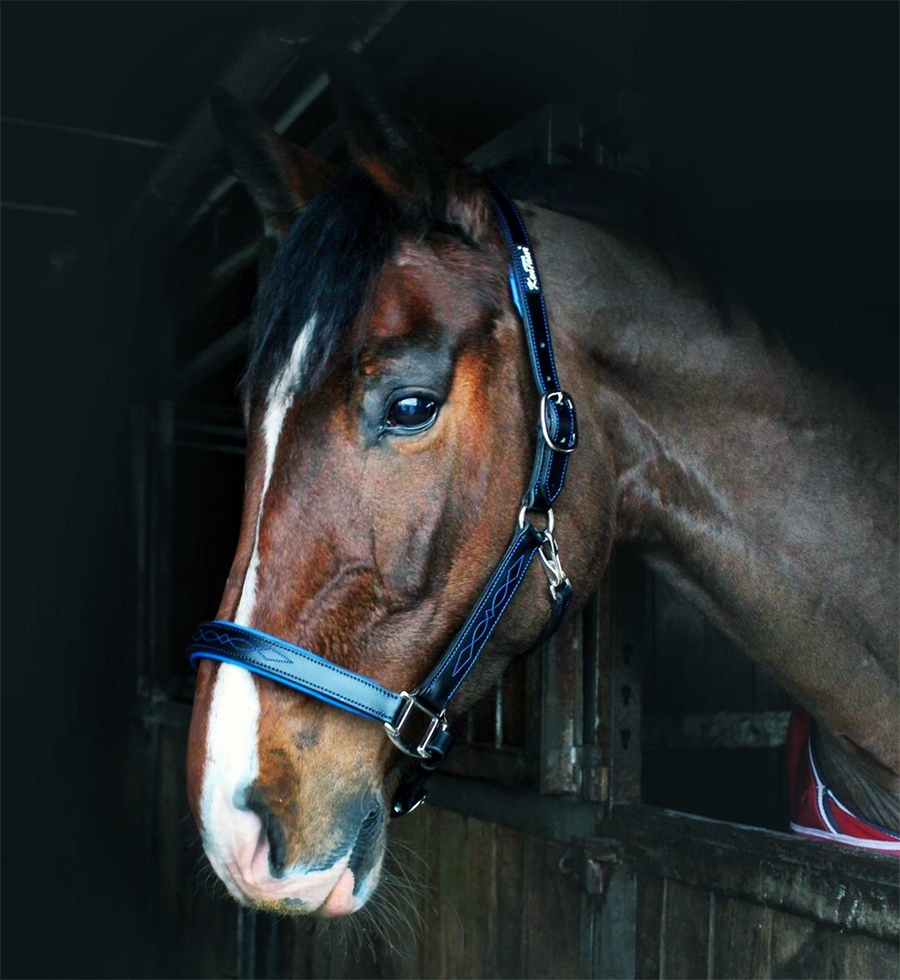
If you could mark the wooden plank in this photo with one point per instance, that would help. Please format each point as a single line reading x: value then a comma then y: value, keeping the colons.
x: 545, y: 816
x: 685, y: 936
x: 536, y: 935
x: 598, y: 644
x: 480, y: 762
x: 510, y: 888
x: 551, y: 910
x: 297, y: 943
x: 533, y: 686
x: 480, y: 909
x: 630, y: 642
x: 614, y: 925
x: 717, y: 729
x: 801, y: 948
x: 648, y: 926
x: 561, y: 712
x: 860, y: 956
x: 430, y: 953
x: 839, y: 887
x: 743, y: 940
x: 339, y: 952
x: 399, y: 903
x: 452, y: 896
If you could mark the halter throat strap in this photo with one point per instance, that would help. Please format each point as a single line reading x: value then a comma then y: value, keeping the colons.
x: 416, y: 721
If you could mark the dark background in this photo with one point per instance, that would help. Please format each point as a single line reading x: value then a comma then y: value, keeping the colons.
x: 776, y: 122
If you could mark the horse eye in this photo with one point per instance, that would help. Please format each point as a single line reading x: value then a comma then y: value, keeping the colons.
x: 412, y: 413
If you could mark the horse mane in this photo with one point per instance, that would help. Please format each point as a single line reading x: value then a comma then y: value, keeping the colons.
x: 321, y: 275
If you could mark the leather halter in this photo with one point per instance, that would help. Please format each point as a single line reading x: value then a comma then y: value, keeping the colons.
x: 425, y: 708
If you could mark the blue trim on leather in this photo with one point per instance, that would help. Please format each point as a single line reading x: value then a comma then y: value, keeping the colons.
x: 272, y: 676
x: 300, y: 669
x: 514, y: 292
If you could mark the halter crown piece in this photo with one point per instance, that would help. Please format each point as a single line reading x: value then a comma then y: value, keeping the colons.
x: 424, y: 709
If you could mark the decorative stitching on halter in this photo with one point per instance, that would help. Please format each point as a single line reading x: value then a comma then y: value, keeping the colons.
x: 502, y: 596
x: 479, y: 608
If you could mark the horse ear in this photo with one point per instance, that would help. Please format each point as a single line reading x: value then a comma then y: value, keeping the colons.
x: 281, y: 177
x: 398, y: 155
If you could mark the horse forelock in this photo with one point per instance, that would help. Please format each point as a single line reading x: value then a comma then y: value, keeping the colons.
x: 317, y: 285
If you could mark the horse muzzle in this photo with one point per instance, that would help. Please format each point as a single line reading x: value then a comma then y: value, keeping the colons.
x: 250, y: 850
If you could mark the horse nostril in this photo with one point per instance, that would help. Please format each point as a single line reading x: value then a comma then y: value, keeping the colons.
x: 362, y: 859
x: 255, y: 802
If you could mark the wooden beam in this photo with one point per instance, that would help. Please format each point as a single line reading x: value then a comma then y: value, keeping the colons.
x: 849, y: 889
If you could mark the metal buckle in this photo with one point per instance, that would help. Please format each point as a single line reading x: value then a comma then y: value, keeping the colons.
x: 438, y: 722
x: 558, y: 397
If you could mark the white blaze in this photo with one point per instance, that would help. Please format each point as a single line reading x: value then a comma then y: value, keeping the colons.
x: 278, y: 402
x: 232, y: 755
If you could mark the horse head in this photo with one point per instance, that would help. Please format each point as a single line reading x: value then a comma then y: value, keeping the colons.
x: 390, y: 418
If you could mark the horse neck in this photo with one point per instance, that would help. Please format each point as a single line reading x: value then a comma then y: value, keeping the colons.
x: 764, y: 493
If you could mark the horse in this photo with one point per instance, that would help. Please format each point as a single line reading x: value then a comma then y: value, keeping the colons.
x: 390, y: 411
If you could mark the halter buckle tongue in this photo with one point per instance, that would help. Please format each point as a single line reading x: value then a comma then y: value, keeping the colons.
x: 437, y: 725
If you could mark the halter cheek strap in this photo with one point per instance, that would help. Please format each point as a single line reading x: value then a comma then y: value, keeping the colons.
x: 424, y: 710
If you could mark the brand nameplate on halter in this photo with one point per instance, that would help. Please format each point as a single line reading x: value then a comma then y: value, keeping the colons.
x: 527, y: 263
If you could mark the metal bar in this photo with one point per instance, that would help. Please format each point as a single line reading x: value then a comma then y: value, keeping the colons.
x: 78, y: 131
x: 562, y: 820
x: 39, y: 209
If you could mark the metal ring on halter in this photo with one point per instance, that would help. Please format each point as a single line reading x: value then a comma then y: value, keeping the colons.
x: 548, y: 530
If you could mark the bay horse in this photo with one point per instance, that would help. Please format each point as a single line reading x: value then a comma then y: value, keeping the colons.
x: 390, y: 413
